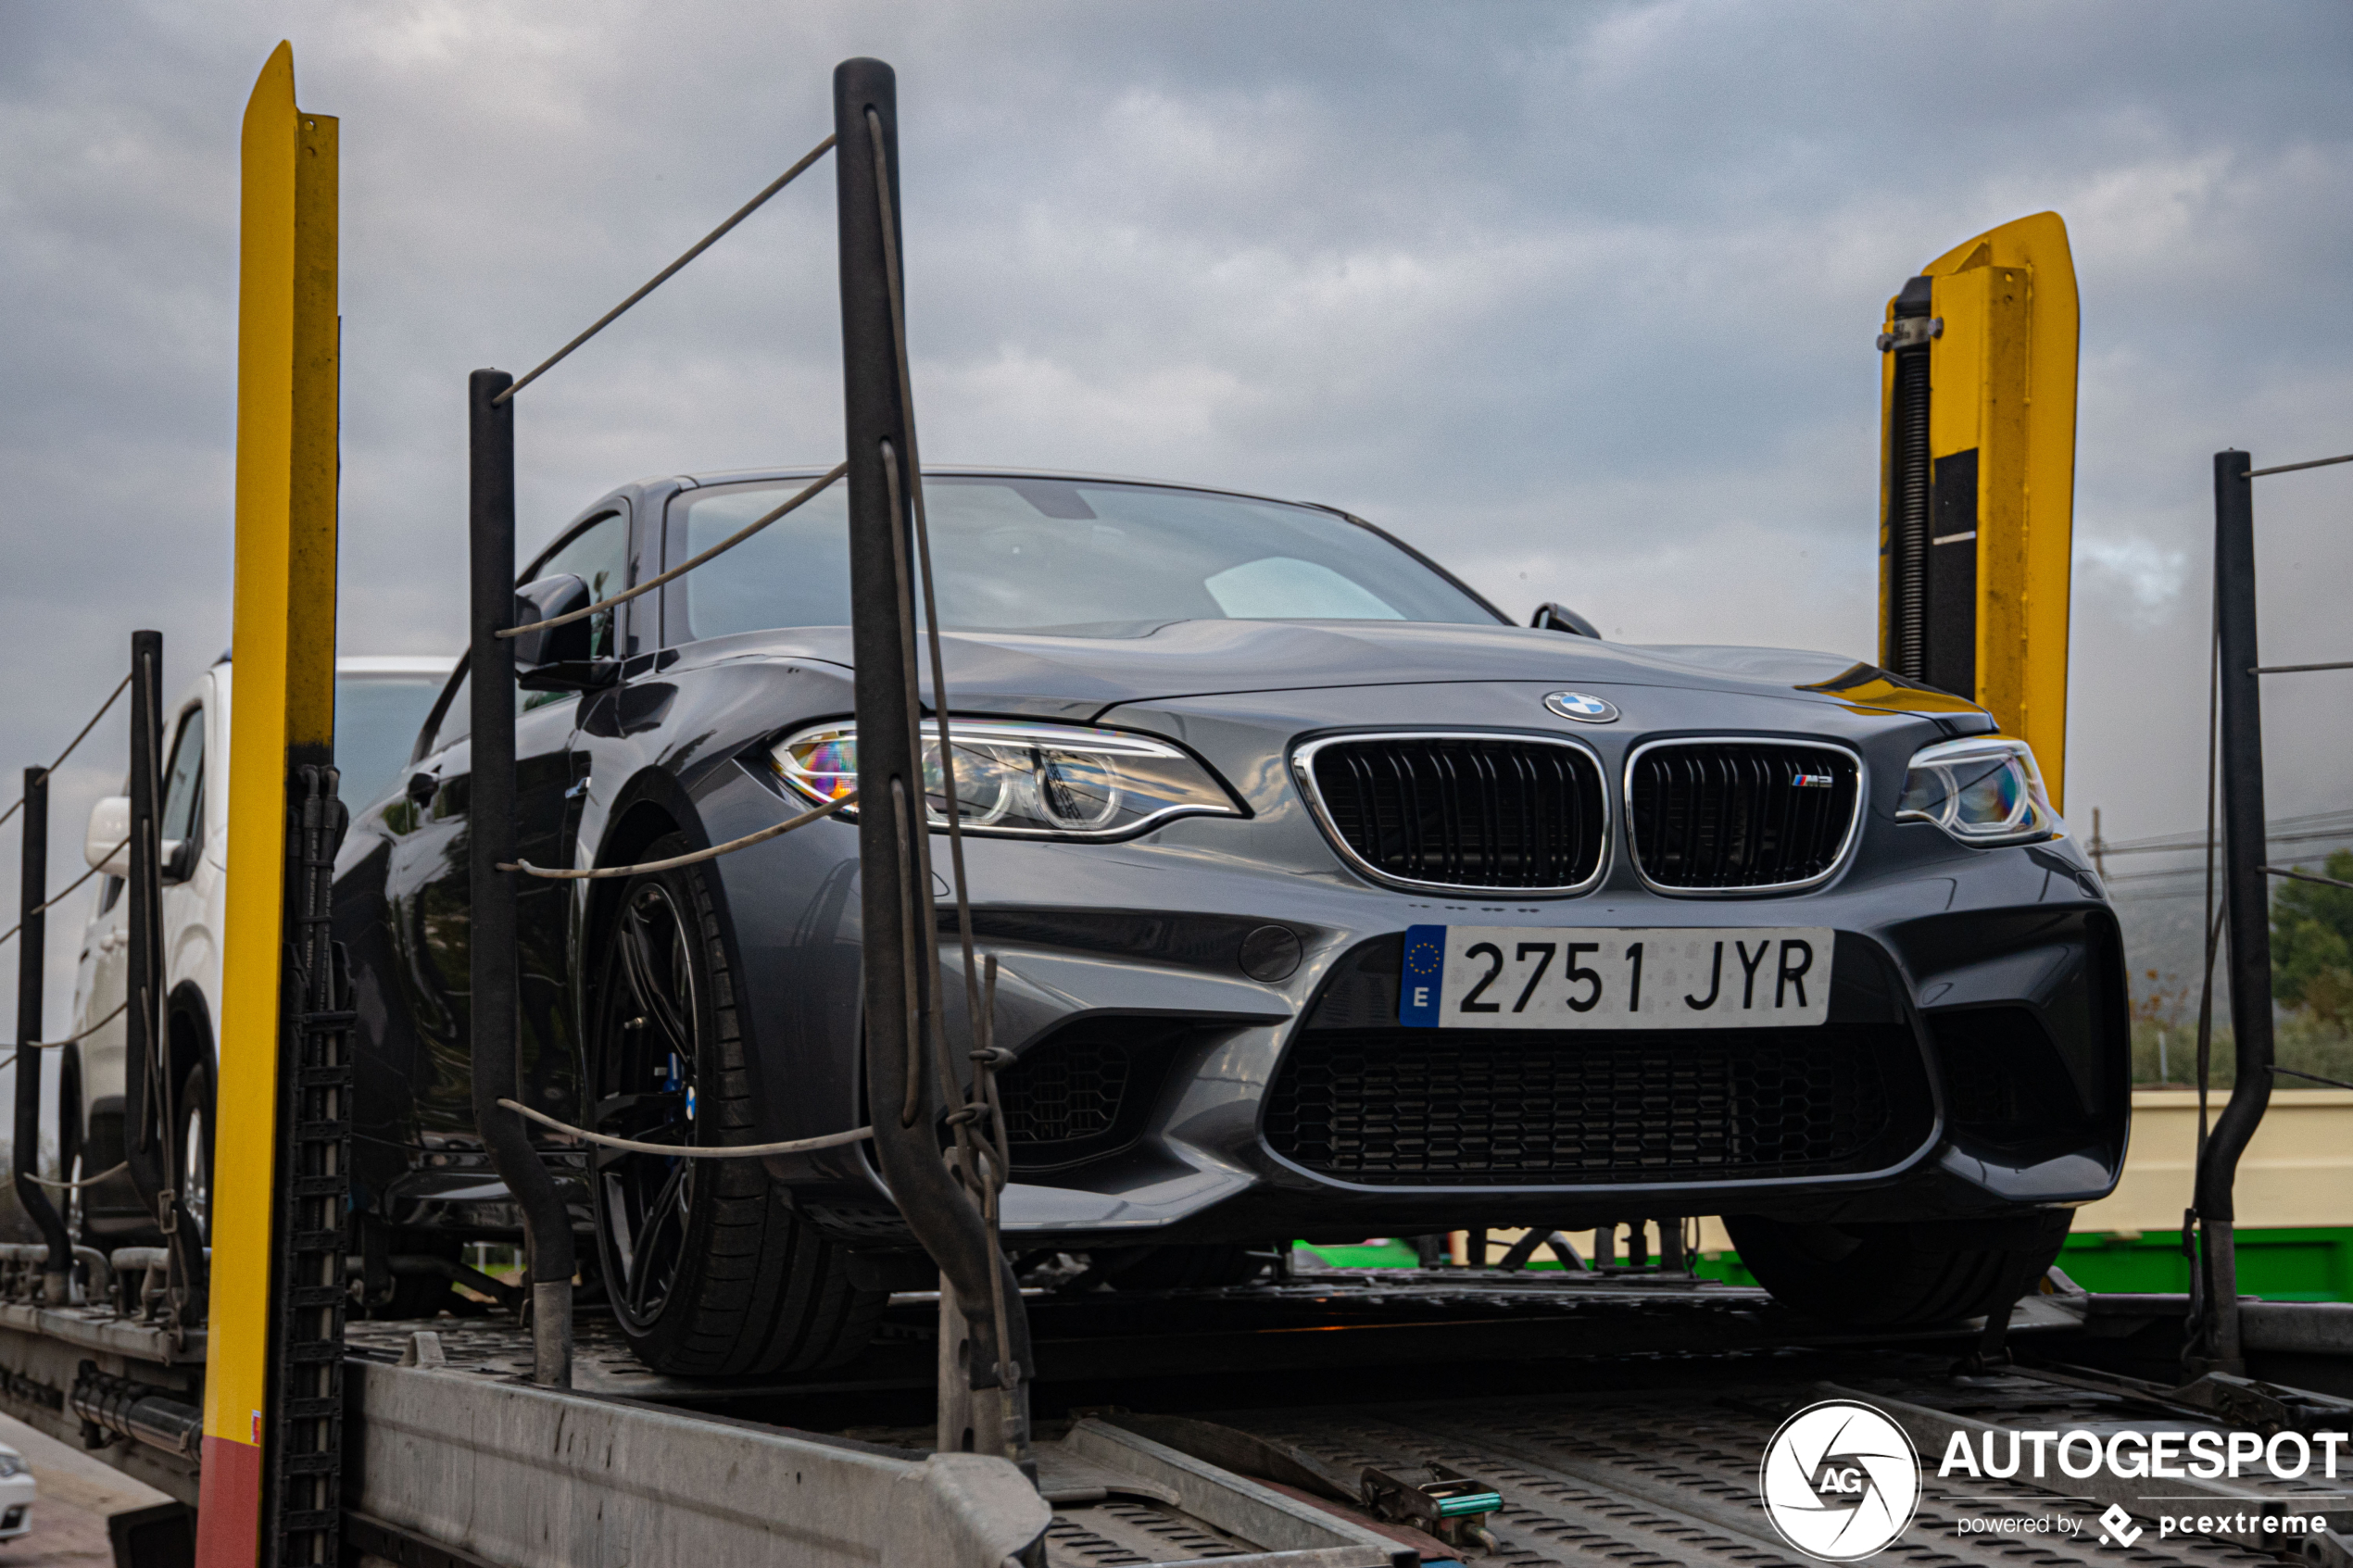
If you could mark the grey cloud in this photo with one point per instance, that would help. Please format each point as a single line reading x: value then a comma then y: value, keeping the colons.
x: 1579, y: 299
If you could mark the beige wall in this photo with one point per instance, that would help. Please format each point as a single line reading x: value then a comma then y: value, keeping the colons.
x: 2298, y: 1173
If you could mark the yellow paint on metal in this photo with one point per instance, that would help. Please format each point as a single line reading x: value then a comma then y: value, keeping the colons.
x: 2002, y: 377
x: 285, y: 643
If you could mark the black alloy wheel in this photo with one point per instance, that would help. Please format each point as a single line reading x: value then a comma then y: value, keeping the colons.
x: 647, y: 1092
x: 709, y: 1270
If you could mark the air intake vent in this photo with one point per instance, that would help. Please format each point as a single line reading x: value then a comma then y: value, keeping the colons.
x: 1085, y: 1092
x: 1065, y: 1093
x: 1461, y: 811
x: 1433, y: 1107
x: 1734, y: 815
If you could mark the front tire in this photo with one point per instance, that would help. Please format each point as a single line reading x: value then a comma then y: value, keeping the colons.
x: 70, y: 1137
x: 709, y: 1271
x: 1886, y: 1276
x: 195, y: 1146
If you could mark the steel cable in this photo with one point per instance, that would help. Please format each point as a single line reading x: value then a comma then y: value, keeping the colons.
x: 84, y: 1182
x: 70, y: 1040
x: 2312, y: 1077
x: 984, y: 1179
x: 603, y: 873
x: 2291, y: 468
x: 2302, y: 876
x: 78, y: 739
x: 59, y: 896
x: 691, y: 1151
x: 650, y: 584
x: 665, y: 274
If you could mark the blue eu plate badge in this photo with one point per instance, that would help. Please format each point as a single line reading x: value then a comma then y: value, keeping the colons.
x: 1425, y: 976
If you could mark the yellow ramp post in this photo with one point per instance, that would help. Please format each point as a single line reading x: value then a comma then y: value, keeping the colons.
x: 1977, y: 397
x: 283, y: 719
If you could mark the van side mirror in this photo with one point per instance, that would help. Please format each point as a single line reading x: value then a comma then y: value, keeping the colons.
x: 558, y: 659
x: 106, y: 846
x: 1560, y: 618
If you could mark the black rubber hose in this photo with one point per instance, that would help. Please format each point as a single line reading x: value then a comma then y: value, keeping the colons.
x: 2248, y: 892
x: 903, y: 1098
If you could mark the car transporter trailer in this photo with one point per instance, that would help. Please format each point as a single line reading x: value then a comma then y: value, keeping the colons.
x: 1613, y: 1410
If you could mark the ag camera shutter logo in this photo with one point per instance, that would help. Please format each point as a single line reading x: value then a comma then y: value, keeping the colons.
x: 1839, y: 1481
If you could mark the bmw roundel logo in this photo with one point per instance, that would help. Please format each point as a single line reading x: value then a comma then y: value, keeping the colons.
x: 1583, y: 706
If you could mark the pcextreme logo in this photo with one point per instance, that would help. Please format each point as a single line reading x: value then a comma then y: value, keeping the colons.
x: 1840, y: 1480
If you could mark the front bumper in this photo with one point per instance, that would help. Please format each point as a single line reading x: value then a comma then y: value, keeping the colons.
x: 1993, y: 1040
x: 16, y: 1505
x: 1989, y: 1000
x: 1984, y: 987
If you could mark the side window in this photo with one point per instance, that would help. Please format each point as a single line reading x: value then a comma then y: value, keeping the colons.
x: 598, y: 555
x: 183, y: 783
x: 453, y: 717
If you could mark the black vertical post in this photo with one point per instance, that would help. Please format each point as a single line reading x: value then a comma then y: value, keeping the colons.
x: 490, y: 832
x: 146, y: 1110
x: 150, y: 1133
x: 903, y: 1091
x: 31, y: 954
x: 2247, y: 899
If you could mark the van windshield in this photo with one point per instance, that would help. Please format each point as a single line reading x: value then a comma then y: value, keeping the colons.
x: 376, y: 721
x: 1081, y: 557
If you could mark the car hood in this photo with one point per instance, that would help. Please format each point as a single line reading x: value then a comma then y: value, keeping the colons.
x: 1069, y: 677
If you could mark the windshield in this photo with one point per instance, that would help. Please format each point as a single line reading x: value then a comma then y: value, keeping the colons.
x: 1078, y: 557
x: 376, y: 721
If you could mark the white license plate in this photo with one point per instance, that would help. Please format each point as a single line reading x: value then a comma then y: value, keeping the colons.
x: 1530, y: 977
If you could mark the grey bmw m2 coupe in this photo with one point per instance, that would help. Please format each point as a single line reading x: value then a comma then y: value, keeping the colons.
x: 1328, y: 901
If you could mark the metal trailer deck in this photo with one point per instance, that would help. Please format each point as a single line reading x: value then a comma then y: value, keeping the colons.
x: 1621, y: 1418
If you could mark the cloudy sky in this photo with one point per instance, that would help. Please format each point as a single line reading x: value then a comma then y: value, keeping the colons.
x: 1579, y: 297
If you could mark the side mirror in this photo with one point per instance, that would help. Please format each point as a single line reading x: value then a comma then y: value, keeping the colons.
x: 1560, y: 618
x: 558, y: 659
x: 106, y: 846
x: 179, y: 859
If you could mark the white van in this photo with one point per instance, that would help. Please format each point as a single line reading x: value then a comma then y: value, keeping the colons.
x: 381, y: 703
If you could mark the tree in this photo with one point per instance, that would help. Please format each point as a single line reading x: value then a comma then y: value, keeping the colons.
x: 2312, y: 944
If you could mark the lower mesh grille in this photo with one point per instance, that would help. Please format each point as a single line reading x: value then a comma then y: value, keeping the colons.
x: 1064, y: 1092
x: 1432, y: 1108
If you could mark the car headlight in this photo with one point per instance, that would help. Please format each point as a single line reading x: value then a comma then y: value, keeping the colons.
x: 1039, y: 781
x: 11, y: 1464
x: 1985, y: 790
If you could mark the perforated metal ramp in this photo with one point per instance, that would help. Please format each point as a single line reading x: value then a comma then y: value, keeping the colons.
x: 1654, y: 1481
x: 1622, y: 1422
